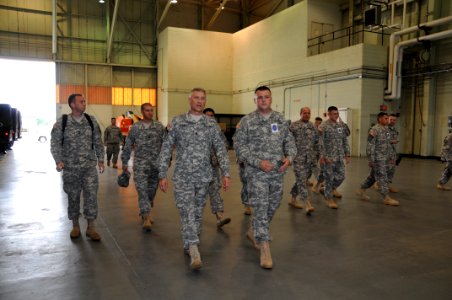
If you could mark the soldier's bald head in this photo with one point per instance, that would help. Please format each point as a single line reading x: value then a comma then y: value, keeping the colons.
x: 305, y: 113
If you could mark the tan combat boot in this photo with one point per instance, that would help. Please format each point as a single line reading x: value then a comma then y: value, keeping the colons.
x: 147, y: 222
x: 315, y: 188
x: 266, y: 257
x: 247, y: 210
x: 336, y: 194
x: 115, y: 166
x: 91, y: 231
x: 308, y: 207
x: 393, y: 189
x: 389, y: 201
x: 442, y: 187
x: 331, y: 203
x: 295, y: 203
x: 361, y: 195
x: 195, y: 257
x: 75, y: 232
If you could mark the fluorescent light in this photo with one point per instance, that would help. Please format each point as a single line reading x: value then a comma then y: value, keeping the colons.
x: 173, y: 1
x: 101, y: 1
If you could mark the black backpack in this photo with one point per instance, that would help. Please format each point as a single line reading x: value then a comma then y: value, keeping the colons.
x: 64, y: 123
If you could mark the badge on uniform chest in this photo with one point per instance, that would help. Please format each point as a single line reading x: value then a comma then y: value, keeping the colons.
x: 339, y: 130
x: 275, y: 128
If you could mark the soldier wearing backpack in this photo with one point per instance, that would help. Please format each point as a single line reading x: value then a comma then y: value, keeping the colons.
x: 76, y: 146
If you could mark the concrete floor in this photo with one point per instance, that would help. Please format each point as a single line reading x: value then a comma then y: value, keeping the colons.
x: 363, y: 250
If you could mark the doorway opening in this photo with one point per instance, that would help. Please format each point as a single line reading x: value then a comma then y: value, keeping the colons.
x: 30, y: 87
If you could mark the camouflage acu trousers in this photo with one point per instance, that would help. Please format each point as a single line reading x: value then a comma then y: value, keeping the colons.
x: 334, y: 173
x: 78, y: 180
x: 446, y: 174
x: 303, y: 172
x: 391, y: 171
x: 243, y: 180
x: 146, y: 180
x: 264, y: 195
x: 190, y: 200
x: 378, y: 173
x: 216, y: 202
x: 321, y: 174
x: 112, y: 150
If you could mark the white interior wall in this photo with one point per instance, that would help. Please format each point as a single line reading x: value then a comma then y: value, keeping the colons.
x: 271, y: 49
x: 275, y: 49
x: 252, y: 67
x: 194, y: 58
x: 263, y: 53
x: 324, y: 12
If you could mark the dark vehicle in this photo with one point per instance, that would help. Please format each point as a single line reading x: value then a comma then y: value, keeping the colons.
x: 16, y: 123
x: 6, y: 128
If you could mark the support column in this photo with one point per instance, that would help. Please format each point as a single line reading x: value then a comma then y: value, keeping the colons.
x: 428, y: 115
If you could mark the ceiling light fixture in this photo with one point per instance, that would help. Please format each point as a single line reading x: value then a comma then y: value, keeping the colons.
x: 102, y: 1
x: 173, y: 1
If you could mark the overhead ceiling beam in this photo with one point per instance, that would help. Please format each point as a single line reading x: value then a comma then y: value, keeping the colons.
x: 209, y: 5
x: 113, y: 23
x: 263, y: 3
x: 134, y: 35
x: 165, y: 11
x: 275, y: 7
x: 217, y: 13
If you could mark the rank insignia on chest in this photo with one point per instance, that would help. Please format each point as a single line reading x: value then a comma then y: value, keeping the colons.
x: 275, y: 128
x: 339, y: 130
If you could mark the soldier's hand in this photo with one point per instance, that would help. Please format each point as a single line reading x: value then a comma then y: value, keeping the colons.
x: 101, y: 167
x: 286, y: 163
x: 226, y: 183
x: 266, y: 166
x: 60, y: 166
x: 348, y: 159
x: 163, y: 184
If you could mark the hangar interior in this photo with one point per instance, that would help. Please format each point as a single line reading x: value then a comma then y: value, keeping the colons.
x: 311, y: 53
x: 314, y: 53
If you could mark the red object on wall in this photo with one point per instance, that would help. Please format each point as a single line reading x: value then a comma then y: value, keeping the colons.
x: 383, y: 107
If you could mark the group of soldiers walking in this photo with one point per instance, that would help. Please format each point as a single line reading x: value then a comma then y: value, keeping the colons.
x: 265, y: 144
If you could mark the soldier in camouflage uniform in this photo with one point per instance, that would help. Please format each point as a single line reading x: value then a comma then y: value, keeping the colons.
x: 318, y: 169
x: 393, y: 157
x: 193, y: 135
x: 76, y: 147
x: 307, y: 141
x: 243, y: 181
x: 446, y: 155
x: 243, y: 190
x: 216, y: 202
x: 334, y: 149
x: 145, y: 137
x: 112, y: 139
x: 380, y: 158
x: 263, y: 141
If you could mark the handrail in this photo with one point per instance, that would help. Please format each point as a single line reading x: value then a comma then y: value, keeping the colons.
x: 351, y: 32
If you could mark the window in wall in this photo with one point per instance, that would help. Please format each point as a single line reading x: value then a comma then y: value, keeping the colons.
x: 136, y: 96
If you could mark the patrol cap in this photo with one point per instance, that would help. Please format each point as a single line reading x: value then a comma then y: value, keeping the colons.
x: 123, y: 179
